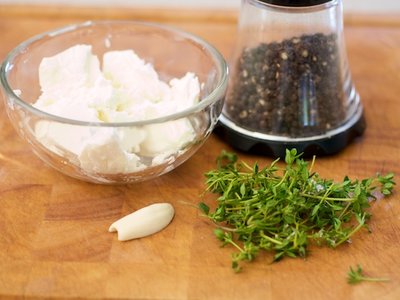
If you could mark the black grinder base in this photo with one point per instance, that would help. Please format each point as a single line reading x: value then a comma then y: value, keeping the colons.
x: 328, y: 144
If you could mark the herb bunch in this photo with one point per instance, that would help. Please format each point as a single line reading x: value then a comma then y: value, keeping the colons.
x: 283, y: 210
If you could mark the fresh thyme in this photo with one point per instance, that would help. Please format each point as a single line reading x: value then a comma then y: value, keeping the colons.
x: 284, y: 210
x: 356, y: 276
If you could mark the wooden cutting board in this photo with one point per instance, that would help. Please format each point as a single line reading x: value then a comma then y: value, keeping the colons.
x: 54, y: 240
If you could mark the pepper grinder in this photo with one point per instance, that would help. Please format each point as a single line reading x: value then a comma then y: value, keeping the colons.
x: 290, y: 84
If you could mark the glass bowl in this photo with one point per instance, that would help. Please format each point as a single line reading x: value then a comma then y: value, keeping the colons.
x: 72, y: 146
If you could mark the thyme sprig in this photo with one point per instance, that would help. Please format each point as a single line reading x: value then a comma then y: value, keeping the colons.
x: 356, y: 276
x: 284, y: 210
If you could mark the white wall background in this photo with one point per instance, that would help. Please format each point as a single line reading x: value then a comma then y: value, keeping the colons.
x: 361, y: 6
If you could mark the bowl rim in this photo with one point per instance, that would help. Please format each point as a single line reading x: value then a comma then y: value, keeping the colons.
x: 214, y: 95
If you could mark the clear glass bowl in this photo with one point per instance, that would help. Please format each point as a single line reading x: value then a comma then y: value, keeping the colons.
x: 173, y: 53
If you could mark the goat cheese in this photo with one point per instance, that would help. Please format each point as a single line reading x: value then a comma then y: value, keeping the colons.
x: 125, y: 89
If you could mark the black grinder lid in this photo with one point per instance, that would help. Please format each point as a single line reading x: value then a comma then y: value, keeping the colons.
x: 295, y: 3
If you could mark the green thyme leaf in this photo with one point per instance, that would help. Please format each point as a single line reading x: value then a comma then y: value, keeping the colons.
x: 204, y: 208
x: 355, y: 276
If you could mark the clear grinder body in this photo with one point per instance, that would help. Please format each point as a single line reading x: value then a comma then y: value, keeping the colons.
x: 290, y: 84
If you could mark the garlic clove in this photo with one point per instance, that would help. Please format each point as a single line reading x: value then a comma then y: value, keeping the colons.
x: 143, y: 222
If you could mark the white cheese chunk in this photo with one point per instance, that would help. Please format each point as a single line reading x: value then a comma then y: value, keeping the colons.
x: 104, y: 153
x: 167, y: 137
x: 74, y: 67
x: 60, y: 137
x: 136, y: 79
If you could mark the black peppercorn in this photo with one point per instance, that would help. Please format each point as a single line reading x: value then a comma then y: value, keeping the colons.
x: 292, y: 88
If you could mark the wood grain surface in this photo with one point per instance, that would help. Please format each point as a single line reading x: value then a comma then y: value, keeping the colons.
x: 53, y: 229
